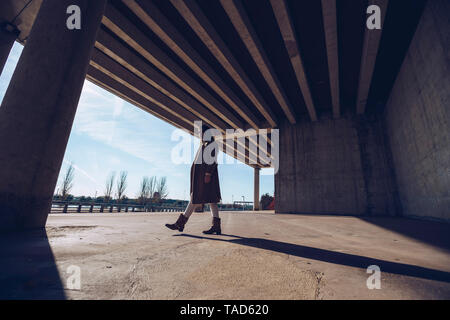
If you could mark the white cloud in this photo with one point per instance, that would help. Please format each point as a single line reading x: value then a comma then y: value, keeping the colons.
x: 104, y: 118
x: 83, y: 172
x: 118, y: 106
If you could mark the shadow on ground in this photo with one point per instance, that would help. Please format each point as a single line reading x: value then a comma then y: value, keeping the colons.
x: 345, y: 259
x: 431, y: 232
x: 28, y: 268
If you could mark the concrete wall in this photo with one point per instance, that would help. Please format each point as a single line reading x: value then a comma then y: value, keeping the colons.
x: 334, y: 167
x: 418, y: 118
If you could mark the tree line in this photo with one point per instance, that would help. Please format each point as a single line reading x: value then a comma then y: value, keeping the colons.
x: 150, y: 189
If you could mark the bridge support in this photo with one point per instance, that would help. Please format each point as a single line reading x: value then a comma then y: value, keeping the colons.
x: 335, y: 166
x: 256, y: 189
x: 38, y: 109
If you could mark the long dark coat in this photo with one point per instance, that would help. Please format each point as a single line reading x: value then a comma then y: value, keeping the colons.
x: 202, y: 192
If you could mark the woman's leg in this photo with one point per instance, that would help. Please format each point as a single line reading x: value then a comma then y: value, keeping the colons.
x: 183, y: 218
x: 214, y: 210
x: 216, y: 220
x: 189, y: 209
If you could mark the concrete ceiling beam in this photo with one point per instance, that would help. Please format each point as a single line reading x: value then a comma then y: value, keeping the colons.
x: 128, y: 32
x: 331, y: 40
x: 142, y: 69
x: 149, y: 14
x: 241, y: 22
x: 290, y: 41
x: 110, y: 67
x: 369, y: 56
x: 200, y: 24
x: 113, y: 86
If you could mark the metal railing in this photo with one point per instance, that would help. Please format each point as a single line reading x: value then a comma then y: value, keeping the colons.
x: 92, y: 207
x: 77, y: 206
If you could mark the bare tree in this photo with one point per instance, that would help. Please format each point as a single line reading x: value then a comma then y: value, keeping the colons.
x: 161, y: 188
x: 146, y: 189
x: 152, y: 186
x: 109, y: 186
x: 143, y: 190
x: 67, y: 183
x: 121, y: 185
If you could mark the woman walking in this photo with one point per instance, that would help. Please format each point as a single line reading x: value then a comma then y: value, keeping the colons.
x: 204, y: 186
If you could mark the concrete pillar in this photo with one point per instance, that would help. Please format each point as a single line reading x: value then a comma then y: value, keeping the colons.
x: 256, y: 189
x: 8, y: 34
x: 334, y: 166
x: 38, y: 109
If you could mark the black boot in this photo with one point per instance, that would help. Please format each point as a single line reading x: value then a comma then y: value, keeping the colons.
x: 215, y: 227
x: 179, y: 225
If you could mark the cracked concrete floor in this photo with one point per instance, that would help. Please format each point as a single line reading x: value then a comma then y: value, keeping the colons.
x: 260, y: 256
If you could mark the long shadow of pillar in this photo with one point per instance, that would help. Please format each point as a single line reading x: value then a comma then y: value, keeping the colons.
x: 28, y: 268
x: 434, y: 233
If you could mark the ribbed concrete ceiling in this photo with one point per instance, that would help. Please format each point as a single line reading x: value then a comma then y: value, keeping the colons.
x: 245, y: 64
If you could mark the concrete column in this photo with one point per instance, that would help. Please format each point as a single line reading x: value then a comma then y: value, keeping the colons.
x: 8, y: 34
x: 38, y: 109
x: 256, y: 189
x: 334, y: 166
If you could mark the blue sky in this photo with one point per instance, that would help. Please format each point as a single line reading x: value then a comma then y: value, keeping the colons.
x: 110, y: 134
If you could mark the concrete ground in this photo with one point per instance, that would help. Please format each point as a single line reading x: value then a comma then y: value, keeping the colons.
x: 259, y: 256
